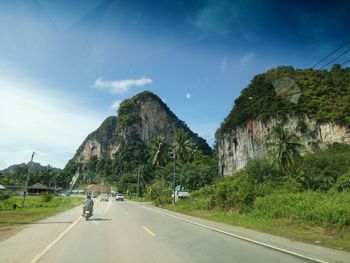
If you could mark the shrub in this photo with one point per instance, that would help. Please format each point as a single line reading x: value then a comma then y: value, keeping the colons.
x: 203, y: 192
x: 4, y: 195
x: 262, y: 170
x: 160, y: 193
x: 343, y: 183
x: 238, y: 191
x: 46, y: 197
x: 258, y: 179
x: 320, y: 170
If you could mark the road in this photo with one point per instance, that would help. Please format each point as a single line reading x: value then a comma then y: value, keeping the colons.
x: 133, y: 232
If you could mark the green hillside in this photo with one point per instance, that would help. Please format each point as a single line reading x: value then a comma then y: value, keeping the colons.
x: 319, y: 94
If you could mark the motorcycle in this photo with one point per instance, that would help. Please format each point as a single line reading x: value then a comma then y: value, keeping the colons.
x: 88, y: 214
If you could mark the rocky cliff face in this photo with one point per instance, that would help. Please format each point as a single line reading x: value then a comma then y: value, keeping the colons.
x: 314, y: 104
x: 99, y: 143
x: 239, y: 145
x: 142, y: 117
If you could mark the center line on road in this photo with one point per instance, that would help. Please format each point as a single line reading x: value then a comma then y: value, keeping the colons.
x: 106, y: 209
x: 149, y: 231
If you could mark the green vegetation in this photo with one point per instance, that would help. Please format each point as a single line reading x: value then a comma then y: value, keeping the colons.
x: 308, y: 200
x: 324, y: 96
x: 47, y: 176
x: 35, y: 208
x: 304, y: 197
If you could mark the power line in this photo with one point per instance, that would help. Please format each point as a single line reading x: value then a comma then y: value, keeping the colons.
x: 347, y: 61
x: 342, y: 54
x: 331, y: 54
x: 208, y: 134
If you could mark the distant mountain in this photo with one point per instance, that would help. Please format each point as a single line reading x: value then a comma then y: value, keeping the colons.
x: 35, y: 166
x: 143, y: 117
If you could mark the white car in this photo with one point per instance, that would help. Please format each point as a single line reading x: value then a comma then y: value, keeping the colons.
x: 119, y: 197
x: 183, y: 194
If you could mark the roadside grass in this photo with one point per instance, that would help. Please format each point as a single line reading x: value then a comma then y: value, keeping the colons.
x: 328, y: 236
x: 35, y: 208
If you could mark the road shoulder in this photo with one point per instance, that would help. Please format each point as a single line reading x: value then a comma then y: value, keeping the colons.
x: 309, y: 250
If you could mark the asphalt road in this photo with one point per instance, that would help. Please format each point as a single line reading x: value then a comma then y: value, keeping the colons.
x: 130, y: 232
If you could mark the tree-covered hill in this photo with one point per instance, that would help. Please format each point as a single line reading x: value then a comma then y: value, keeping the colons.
x: 321, y: 95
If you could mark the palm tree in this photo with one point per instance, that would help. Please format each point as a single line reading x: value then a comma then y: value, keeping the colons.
x: 284, y: 145
x: 183, y: 146
x: 158, y: 152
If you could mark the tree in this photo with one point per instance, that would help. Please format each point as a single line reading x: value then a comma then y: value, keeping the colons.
x: 158, y: 152
x: 284, y: 146
x: 183, y: 146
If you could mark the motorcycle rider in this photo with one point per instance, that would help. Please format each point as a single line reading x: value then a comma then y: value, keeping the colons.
x: 88, y: 205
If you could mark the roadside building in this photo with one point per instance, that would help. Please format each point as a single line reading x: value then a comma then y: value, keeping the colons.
x: 14, y: 189
x: 96, y: 189
x: 38, y: 188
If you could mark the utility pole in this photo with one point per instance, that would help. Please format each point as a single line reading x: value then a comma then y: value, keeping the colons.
x: 27, y: 180
x: 138, y: 181
x: 174, y: 179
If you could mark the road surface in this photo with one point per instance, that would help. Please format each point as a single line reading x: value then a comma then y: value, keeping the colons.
x: 134, y: 232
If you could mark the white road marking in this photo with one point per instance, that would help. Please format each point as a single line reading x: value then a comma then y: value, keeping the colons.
x: 237, y: 236
x: 106, y: 209
x: 149, y: 231
x: 44, y: 251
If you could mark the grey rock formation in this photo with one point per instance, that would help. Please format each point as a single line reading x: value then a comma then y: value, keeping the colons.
x: 144, y: 117
x: 239, y: 145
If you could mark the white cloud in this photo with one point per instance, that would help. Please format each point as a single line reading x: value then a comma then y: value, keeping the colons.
x: 247, y: 58
x: 223, y: 65
x: 188, y: 96
x: 121, y: 86
x: 115, y: 105
x: 33, y: 118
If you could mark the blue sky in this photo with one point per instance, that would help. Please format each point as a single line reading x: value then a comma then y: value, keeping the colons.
x: 65, y: 65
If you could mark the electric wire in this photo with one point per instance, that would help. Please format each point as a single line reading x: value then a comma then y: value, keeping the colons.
x: 347, y: 61
x: 343, y: 45
x: 342, y: 54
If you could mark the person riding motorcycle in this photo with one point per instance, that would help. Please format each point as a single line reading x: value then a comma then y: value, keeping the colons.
x: 88, y: 205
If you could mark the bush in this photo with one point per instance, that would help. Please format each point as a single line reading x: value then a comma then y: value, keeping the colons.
x: 4, y: 195
x: 203, y: 192
x: 258, y: 179
x: 320, y: 170
x: 46, y: 197
x: 238, y: 191
x: 160, y: 193
x: 343, y: 183
x: 262, y: 170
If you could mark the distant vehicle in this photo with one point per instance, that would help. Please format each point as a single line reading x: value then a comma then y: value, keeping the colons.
x: 119, y: 197
x: 104, y: 197
x: 183, y: 195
